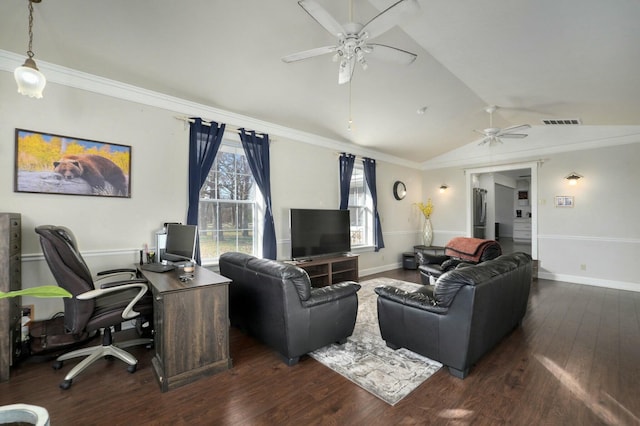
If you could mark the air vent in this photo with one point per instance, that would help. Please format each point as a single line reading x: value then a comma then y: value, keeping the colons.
x: 562, y: 121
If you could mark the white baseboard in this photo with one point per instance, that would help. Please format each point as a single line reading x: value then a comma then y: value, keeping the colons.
x: 596, y: 282
x: 379, y: 269
x: 617, y: 285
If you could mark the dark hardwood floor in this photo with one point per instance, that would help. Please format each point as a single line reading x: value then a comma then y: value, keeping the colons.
x: 575, y: 361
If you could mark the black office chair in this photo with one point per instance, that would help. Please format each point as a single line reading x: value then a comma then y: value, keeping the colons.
x: 92, y: 309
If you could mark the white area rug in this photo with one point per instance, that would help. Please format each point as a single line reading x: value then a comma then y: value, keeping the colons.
x: 367, y: 361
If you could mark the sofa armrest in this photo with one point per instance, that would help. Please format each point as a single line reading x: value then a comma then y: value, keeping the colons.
x: 417, y: 299
x: 426, y: 258
x: 330, y: 293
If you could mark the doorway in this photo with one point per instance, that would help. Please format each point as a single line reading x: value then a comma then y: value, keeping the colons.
x: 512, y: 181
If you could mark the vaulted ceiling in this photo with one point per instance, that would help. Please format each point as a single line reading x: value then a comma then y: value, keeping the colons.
x: 545, y: 59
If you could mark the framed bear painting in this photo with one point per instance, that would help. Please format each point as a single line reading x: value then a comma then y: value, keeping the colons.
x: 54, y: 164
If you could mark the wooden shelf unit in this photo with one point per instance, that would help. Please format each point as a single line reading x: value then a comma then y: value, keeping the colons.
x: 10, y: 280
x: 331, y: 270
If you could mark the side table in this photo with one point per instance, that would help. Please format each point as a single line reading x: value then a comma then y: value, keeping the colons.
x: 435, y: 250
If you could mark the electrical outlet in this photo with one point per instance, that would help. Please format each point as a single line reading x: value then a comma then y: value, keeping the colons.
x: 29, y: 311
x: 583, y: 267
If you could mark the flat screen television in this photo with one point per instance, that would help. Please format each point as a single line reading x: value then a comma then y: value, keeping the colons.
x: 316, y: 232
x: 181, y: 242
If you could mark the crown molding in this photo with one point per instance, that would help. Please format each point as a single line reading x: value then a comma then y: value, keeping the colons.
x: 104, y: 86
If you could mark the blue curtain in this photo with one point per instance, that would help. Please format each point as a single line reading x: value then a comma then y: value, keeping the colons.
x: 370, y: 177
x: 346, y: 170
x: 256, y: 149
x: 204, y: 142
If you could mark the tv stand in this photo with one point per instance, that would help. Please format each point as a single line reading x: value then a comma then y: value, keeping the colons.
x: 326, y: 271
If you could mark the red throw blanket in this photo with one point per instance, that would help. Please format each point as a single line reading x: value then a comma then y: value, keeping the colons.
x: 465, y: 248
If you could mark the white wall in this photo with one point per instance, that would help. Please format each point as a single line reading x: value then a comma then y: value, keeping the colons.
x: 306, y: 176
x: 597, y: 242
x: 602, y: 231
x: 448, y: 217
x: 110, y: 231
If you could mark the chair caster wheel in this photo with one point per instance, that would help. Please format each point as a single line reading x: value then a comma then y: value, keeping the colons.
x: 57, y: 365
x: 132, y: 368
x: 65, y: 384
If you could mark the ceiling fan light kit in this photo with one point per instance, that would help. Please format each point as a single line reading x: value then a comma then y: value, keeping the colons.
x: 353, y: 38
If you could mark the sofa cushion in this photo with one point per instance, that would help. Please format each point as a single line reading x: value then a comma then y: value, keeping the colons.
x: 450, y: 282
x: 420, y: 298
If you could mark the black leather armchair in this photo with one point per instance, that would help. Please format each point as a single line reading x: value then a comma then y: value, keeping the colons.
x: 274, y: 302
x: 92, y: 309
x: 458, y: 250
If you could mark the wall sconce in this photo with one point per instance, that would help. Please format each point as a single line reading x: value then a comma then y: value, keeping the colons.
x: 30, y: 80
x: 573, y: 178
x: 443, y: 188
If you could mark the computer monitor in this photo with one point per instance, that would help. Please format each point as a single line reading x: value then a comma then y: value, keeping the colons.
x: 181, y: 242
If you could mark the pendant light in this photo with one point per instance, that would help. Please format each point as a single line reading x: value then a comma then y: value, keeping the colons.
x: 30, y: 80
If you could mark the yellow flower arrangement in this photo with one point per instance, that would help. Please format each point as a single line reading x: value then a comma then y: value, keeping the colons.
x: 426, y: 209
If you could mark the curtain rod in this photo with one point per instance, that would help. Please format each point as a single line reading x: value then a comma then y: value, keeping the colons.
x: 208, y: 123
x: 358, y: 157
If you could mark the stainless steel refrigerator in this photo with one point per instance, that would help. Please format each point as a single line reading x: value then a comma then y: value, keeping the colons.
x: 479, y: 212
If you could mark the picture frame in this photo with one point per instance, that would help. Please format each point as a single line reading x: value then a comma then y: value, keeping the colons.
x: 564, y: 201
x: 56, y: 164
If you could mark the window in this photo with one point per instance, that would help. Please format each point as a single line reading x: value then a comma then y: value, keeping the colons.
x: 228, y: 206
x: 361, y: 209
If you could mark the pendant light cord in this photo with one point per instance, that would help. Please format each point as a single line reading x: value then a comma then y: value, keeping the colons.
x: 30, y: 52
x: 350, y: 118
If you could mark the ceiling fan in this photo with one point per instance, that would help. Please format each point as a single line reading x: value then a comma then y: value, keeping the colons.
x: 353, y: 38
x: 494, y: 134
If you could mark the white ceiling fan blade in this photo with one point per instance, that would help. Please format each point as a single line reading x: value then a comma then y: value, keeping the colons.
x: 346, y: 70
x: 391, y: 54
x: 514, y: 128
x: 512, y: 135
x: 493, y: 135
x: 309, y: 53
x: 323, y: 17
x: 389, y: 18
x: 484, y: 140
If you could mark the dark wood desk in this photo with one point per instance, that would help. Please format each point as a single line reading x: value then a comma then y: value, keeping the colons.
x: 191, y: 323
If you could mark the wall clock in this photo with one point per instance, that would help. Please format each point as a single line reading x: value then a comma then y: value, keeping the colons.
x: 399, y: 190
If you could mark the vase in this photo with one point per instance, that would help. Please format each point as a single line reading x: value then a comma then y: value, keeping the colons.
x: 427, y: 233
